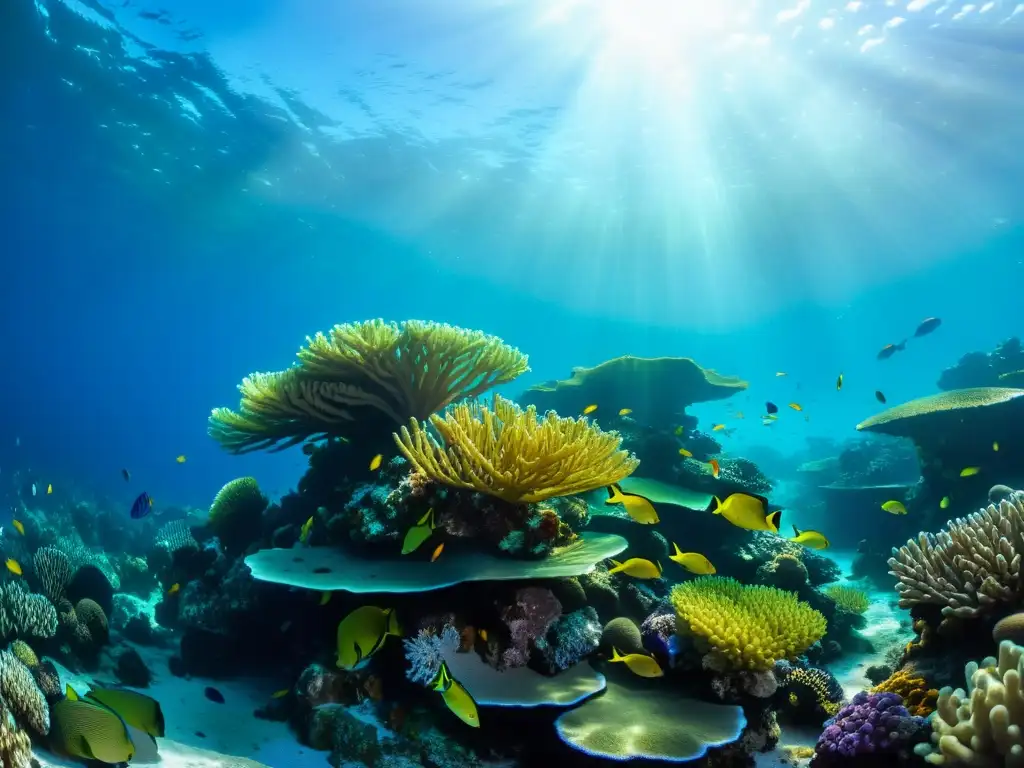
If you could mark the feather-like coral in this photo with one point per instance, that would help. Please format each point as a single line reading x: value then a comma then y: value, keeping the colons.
x: 745, y: 627
x: 514, y: 454
x: 849, y: 599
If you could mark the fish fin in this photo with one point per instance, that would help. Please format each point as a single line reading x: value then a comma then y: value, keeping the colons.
x: 796, y: 531
x: 614, y: 494
x: 83, y: 746
x: 70, y: 693
x: 678, y: 552
x: 433, y: 521
x: 660, y: 569
x: 717, y: 508
x: 616, y: 656
x: 426, y: 516
x: 393, y: 626
x: 773, y: 520
x: 615, y: 562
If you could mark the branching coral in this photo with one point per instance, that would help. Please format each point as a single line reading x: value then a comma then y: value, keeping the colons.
x: 917, y: 697
x: 364, y: 370
x: 744, y: 627
x: 425, y: 652
x: 849, y: 599
x: 53, y: 568
x: 515, y: 455
x: 967, y: 569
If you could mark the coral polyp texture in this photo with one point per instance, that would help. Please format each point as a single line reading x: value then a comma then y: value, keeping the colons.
x: 967, y: 569
x: 235, y: 512
x: 364, y: 373
x: 918, y: 697
x: 745, y: 627
x: 849, y: 599
x: 514, y: 454
x: 874, y: 724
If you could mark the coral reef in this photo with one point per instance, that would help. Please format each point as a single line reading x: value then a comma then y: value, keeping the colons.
x: 21, y: 694
x: 808, y: 694
x: 570, y: 639
x: 54, y: 571
x: 875, y: 724
x: 980, y: 369
x: 527, y: 619
x: 24, y: 614
x: 762, y: 547
x: 234, y: 515
x: 622, y: 634
x: 849, y: 599
x: 913, y: 690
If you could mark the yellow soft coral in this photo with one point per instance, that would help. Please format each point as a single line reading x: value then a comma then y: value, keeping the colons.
x: 514, y: 454
x: 849, y: 599
x: 743, y: 627
x: 917, y: 697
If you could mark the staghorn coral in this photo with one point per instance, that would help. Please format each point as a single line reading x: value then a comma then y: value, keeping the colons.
x: 742, y: 627
x: 513, y: 454
x: 235, y: 513
x: 967, y: 569
x: 21, y: 694
x: 912, y: 688
x: 361, y: 371
x: 25, y: 614
x: 426, y: 651
x: 54, y: 571
x: 848, y: 599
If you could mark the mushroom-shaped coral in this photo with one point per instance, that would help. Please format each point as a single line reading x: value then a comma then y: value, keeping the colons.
x: 514, y: 454
x: 745, y: 627
x: 235, y: 513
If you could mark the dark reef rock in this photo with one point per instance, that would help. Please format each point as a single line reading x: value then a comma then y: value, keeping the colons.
x: 89, y: 583
x: 132, y: 670
x: 980, y: 369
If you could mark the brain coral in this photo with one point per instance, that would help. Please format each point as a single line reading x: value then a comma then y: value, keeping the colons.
x: 235, y: 513
x: 25, y: 614
x: 743, y: 627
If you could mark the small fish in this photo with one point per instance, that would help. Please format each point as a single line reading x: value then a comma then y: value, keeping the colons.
x: 213, y: 695
x: 18, y: 526
x: 49, y: 489
x: 638, y: 507
x: 927, y: 325
x: 694, y: 562
x: 126, y: 475
x: 969, y: 471
x: 483, y: 635
x: 33, y: 489
x: 589, y: 409
x: 639, y: 664
x: 995, y: 446
x: 809, y: 539
x: 894, y: 507
x: 879, y: 397
x: 419, y: 533
x: 174, y: 589
x: 305, y: 529
x: 325, y: 598
x: 456, y: 697
x: 678, y: 431
x: 375, y: 462
x: 637, y: 567
x: 771, y: 407
x: 716, y: 468
x: 944, y: 504
x: 685, y: 453
x: 891, y: 349
x: 280, y: 694
x: 141, y: 506
x: 796, y: 406
x: 749, y: 512
x: 718, y: 427
x: 780, y: 374
x: 839, y: 383
x: 437, y: 552
x: 625, y: 411
x: 181, y: 459
x: 14, y: 566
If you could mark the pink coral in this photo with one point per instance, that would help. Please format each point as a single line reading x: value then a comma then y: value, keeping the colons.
x: 533, y: 612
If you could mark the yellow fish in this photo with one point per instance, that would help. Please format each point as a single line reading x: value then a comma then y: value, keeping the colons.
x: 809, y: 539
x: 839, y: 382
x: 944, y: 504
x: 375, y: 462
x: 305, y: 530
x: 692, y: 561
x: 686, y: 453
x: 181, y: 459
x: 325, y: 598
x: 749, y: 512
x: 483, y: 635
x: 969, y: 471
x: 894, y: 507
x: 637, y: 567
x: 419, y: 533
x: 174, y: 589
x: 677, y: 431
x: 14, y: 566
x: 718, y: 427
x: 639, y: 664
x: 796, y: 406
x: 280, y: 694
x: 639, y: 508
x: 995, y: 446
x: 456, y: 697
x: 362, y: 633
x: 49, y: 489
x: 18, y: 526
x: 625, y: 411
x: 589, y: 409
x: 437, y: 552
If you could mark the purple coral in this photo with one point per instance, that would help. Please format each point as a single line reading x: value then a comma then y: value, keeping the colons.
x: 875, y: 723
x: 659, y: 634
x: 529, y: 618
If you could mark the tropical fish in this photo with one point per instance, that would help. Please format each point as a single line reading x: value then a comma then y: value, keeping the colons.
x: 638, y: 507
x: 136, y: 709
x: 927, y: 325
x: 305, y: 530
x: 362, y: 633
x: 716, y: 468
x: 13, y: 566
x: 718, y: 427
x: 969, y: 471
x: 637, y: 567
x: 749, y: 512
x: 325, y: 598
x: 483, y: 635
x: 894, y: 507
x: 809, y: 539
x: 685, y: 453
x: 796, y: 406
x: 879, y: 397
x: 33, y: 489
x: 678, y: 431
x: 141, y: 506
x: 639, y: 664
x: 126, y: 475
x: 213, y: 695
x: 995, y: 446
x: 437, y: 552
x: 18, y: 526
x: 589, y: 409
x: 375, y: 462
x: 770, y: 407
x: 181, y: 459
x: 419, y: 533
x: 891, y: 349
x: 944, y: 504
x: 625, y: 411
x: 49, y: 489
x: 89, y: 731
x: 175, y: 588
x: 280, y: 694
x: 839, y: 382
x: 781, y: 373
x: 694, y: 562
x: 456, y: 697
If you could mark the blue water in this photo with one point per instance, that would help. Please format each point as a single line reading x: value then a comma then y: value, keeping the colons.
x: 192, y: 188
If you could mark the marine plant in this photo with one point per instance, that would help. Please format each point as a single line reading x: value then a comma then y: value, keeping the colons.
x: 513, y: 454
x: 364, y: 372
x: 849, y: 599
x: 744, y: 627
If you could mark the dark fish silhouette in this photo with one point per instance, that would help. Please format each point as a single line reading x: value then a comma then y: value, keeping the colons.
x: 891, y: 349
x: 879, y: 397
x: 214, y: 695
x: 126, y: 475
x: 771, y: 407
x: 927, y: 325
x: 142, y: 506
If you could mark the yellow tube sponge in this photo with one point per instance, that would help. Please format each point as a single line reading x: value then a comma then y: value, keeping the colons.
x: 744, y: 627
x: 513, y: 454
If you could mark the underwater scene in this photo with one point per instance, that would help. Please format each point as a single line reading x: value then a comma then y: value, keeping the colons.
x: 471, y: 383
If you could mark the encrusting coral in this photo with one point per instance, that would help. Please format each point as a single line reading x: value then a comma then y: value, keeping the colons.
x: 745, y: 627
x: 918, y: 697
x: 363, y: 371
x: 515, y: 455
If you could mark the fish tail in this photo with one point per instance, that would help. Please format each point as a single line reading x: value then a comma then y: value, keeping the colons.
x: 796, y: 531
x: 614, y: 494
x: 616, y: 565
x: 616, y: 656
x: 773, y: 520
